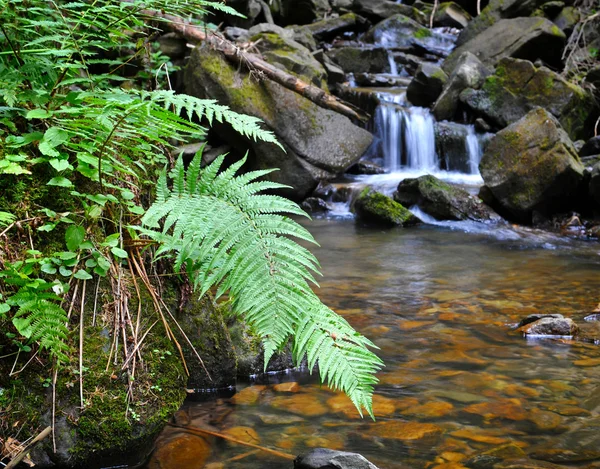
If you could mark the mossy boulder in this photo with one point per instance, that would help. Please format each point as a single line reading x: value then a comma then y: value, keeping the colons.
x: 532, y: 165
x: 330, y: 27
x: 427, y: 85
x: 522, y: 38
x: 567, y: 19
x: 374, y: 207
x: 278, y: 48
x: 318, y: 143
x: 441, y: 200
x: 468, y: 73
x: 518, y: 86
x: 450, y: 15
x: 377, y: 10
x: 399, y: 31
x: 496, y: 11
x: 361, y: 59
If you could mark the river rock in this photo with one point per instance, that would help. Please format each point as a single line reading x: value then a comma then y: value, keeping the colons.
x: 322, y: 458
x: 591, y: 147
x: 468, y: 73
x: 565, y: 455
x: 366, y: 167
x: 532, y: 165
x: 399, y: 31
x: 251, y: 9
x: 318, y: 143
x: 378, y: 10
x: 536, y: 317
x: 551, y: 326
x: 427, y: 85
x: 331, y: 27
x: 450, y: 15
x: 278, y: 48
x: 518, y: 86
x: 361, y: 59
x: 441, y: 200
x: 495, y: 11
x: 524, y: 463
x: 315, y: 205
x: 523, y: 38
x: 451, y: 146
x: 375, y: 207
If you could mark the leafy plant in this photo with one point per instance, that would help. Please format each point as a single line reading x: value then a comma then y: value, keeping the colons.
x: 232, y: 236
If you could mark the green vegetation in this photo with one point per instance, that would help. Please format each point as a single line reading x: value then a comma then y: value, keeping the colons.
x: 86, y: 127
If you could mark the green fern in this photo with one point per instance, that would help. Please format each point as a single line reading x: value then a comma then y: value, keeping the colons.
x: 41, y: 320
x: 232, y: 236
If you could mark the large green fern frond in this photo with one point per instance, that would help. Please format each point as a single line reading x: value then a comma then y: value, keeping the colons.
x: 232, y: 237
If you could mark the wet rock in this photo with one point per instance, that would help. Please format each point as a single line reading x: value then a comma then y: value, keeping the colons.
x: 451, y: 15
x: 182, y: 451
x: 315, y: 205
x: 536, y: 317
x: 550, y: 326
x: 469, y: 72
x: 278, y: 48
x: 331, y: 27
x: 594, y: 186
x: 567, y: 19
x: 249, y: 395
x: 482, y: 126
x: 545, y: 421
x: 380, y: 80
x: 360, y: 59
x: 451, y: 146
x: 322, y: 458
x: 287, y: 387
x: 430, y: 410
x: 236, y: 34
x: 479, y: 436
x: 374, y: 207
x: 319, y: 143
x: 523, y: 38
x: 399, y: 31
x: 279, y: 419
x: 242, y: 433
x: 427, y: 85
x: 517, y: 87
x: 172, y: 45
x: 378, y: 10
x: 564, y: 455
x: 532, y: 165
x: 509, y: 409
x: 441, y: 200
x: 495, y: 11
x: 488, y: 459
x: 382, y: 406
x: 365, y: 167
x: 524, y: 463
x: 300, y: 404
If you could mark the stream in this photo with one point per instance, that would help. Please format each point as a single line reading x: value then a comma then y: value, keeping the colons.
x: 440, y: 302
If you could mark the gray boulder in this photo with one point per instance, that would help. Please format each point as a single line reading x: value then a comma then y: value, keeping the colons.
x: 441, y: 200
x: 322, y: 458
x: 518, y: 86
x: 591, y: 147
x: 300, y: 11
x: 318, y: 143
x: 450, y: 15
x: 451, y: 145
x: 532, y: 165
x: 361, y: 59
x: 399, y: 31
x: 496, y: 11
x: 427, y: 85
x: 522, y: 38
x: 468, y: 73
x: 374, y: 207
x: 567, y: 19
x: 332, y: 26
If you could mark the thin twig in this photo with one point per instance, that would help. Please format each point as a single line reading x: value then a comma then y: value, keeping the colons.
x: 81, y: 344
x: 435, y: 6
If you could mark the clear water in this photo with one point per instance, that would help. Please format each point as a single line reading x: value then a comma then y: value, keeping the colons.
x: 440, y: 302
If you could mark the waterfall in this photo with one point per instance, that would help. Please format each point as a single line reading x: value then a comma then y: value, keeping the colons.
x: 473, y: 149
x: 392, y: 62
x: 420, y: 139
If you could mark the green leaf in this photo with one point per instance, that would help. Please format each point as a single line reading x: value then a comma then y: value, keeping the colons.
x: 118, y: 252
x: 127, y: 194
x: 95, y: 211
x: 81, y: 274
x: 112, y: 240
x: 60, y: 165
x: 86, y: 245
x: 47, y: 227
x: 4, y: 308
x: 74, y: 236
x: 60, y: 182
x: 53, y: 137
x: 38, y: 114
x: 64, y: 271
x: 90, y: 263
x: 48, y: 269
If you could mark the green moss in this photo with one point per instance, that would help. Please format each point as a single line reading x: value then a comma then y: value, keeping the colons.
x: 422, y: 33
x: 376, y: 207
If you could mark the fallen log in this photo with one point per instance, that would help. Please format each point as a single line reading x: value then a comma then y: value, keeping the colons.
x: 254, y: 63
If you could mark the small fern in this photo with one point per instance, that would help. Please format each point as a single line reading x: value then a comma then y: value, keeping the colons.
x: 232, y: 236
x: 41, y: 320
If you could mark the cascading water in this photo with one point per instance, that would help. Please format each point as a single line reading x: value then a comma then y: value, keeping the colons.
x: 473, y: 148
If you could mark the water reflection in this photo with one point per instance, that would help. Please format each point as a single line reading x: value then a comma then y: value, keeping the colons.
x: 458, y: 383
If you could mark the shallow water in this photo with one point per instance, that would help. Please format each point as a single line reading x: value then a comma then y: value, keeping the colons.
x: 440, y: 302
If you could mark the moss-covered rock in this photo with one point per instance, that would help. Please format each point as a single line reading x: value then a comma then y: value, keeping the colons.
x: 567, y: 19
x: 318, y: 143
x: 377, y: 10
x: 441, y: 200
x: 518, y: 86
x: 450, y: 15
x: 399, y: 31
x: 374, y: 207
x: 532, y: 165
x: 522, y: 38
x: 361, y: 59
